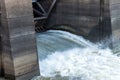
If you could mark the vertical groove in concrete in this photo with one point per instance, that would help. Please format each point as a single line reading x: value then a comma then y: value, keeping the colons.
x: 107, y: 30
x: 18, y: 40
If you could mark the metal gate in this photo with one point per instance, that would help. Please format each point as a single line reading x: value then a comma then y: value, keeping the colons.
x: 41, y: 11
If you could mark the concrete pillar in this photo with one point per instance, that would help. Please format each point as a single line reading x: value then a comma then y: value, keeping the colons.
x: 18, y: 40
x: 114, y: 6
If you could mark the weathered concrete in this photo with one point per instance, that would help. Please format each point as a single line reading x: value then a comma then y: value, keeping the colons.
x: 83, y: 16
x: 0, y: 53
x: 18, y: 40
x: 115, y: 21
x: 92, y: 19
x: 0, y: 44
x: 1, y: 66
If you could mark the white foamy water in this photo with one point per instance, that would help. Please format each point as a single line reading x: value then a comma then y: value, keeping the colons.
x: 89, y: 64
x: 71, y: 55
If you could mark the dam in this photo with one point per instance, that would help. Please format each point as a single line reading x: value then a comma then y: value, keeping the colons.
x: 59, y: 39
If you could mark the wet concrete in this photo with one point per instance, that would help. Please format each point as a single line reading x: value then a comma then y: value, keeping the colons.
x: 84, y: 17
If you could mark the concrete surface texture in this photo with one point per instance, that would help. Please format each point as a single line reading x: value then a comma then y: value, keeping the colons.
x: 92, y: 19
x: 115, y: 21
x: 89, y: 18
x: 18, y: 40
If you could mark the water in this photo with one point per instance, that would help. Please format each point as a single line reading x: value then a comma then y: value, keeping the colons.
x: 65, y: 56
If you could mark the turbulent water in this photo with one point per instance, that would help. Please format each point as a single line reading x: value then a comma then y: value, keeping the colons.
x: 70, y: 57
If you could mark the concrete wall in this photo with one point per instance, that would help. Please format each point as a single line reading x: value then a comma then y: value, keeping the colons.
x: 0, y: 45
x: 115, y: 21
x: 1, y: 73
x: 83, y: 16
x: 18, y: 40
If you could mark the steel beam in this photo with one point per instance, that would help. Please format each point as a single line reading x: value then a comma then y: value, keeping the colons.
x: 43, y: 14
